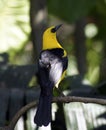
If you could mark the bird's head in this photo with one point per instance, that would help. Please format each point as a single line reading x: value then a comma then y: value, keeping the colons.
x: 49, y: 37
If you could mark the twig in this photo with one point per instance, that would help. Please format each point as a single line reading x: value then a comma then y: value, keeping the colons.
x: 66, y: 99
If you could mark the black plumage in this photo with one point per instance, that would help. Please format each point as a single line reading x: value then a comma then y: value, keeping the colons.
x: 52, y: 63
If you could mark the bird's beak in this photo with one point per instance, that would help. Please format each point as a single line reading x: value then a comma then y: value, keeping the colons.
x: 56, y: 28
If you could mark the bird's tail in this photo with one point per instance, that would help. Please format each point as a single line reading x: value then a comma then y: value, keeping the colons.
x: 43, y: 114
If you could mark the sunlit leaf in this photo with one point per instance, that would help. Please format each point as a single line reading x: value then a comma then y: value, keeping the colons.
x: 14, y: 24
x: 84, y: 116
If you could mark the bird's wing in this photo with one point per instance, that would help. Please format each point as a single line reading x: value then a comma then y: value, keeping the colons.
x: 51, y: 67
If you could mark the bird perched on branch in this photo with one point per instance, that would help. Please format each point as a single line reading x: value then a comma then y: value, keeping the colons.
x: 52, y: 67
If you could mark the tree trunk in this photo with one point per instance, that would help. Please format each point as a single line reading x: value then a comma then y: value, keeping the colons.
x: 80, y: 47
x: 38, y: 22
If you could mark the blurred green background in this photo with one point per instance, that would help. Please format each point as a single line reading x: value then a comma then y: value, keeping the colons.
x: 83, y: 35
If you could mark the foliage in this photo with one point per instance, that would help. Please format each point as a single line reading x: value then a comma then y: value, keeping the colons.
x: 70, y: 10
x: 84, y: 116
x: 14, y: 27
x: 14, y: 32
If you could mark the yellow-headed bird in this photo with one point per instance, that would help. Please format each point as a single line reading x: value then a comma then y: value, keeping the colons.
x: 52, y: 67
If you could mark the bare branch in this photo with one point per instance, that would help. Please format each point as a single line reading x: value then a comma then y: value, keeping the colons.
x: 13, y: 122
x: 20, y: 113
x: 69, y: 99
x: 66, y: 99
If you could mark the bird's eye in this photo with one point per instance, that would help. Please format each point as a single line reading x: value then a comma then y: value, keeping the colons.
x: 53, y: 30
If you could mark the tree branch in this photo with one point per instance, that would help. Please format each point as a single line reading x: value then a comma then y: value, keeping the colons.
x: 69, y: 99
x: 24, y: 109
x: 66, y: 99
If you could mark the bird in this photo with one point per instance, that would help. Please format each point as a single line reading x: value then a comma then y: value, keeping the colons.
x: 52, y: 66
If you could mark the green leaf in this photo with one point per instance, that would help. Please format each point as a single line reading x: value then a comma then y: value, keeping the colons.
x: 70, y: 10
x: 101, y: 7
x: 14, y: 22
